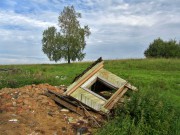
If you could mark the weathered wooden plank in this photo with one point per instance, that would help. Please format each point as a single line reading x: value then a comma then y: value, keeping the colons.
x: 87, y: 69
x: 111, y: 78
x: 111, y: 105
x: 94, y: 94
x: 114, y: 96
x: 107, y: 83
x: 89, y: 82
x: 84, y: 79
x: 67, y: 104
x: 88, y: 99
x: 131, y: 87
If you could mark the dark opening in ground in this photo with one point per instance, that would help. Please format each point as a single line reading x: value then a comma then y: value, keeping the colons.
x: 102, y: 89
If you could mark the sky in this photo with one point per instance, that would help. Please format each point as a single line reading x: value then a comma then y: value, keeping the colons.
x: 120, y: 29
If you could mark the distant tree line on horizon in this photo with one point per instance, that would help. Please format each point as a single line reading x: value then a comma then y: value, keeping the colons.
x: 163, y: 49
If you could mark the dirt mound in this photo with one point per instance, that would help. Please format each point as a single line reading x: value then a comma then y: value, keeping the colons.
x: 27, y: 111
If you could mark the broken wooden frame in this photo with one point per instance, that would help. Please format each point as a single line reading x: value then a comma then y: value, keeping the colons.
x: 84, y: 90
x: 87, y: 92
x: 73, y: 105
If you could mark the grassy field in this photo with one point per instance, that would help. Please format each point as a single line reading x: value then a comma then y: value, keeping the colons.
x: 157, y: 104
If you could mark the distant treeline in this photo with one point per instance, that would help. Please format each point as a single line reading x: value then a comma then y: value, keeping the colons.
x: 163, y: 49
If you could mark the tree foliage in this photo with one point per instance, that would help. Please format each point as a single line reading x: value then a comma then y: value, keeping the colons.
x: 163, y: 49
x: 69, y: 42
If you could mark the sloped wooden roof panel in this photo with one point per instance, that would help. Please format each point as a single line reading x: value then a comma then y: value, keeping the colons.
x: 112, y: 78
x: 88, y: 98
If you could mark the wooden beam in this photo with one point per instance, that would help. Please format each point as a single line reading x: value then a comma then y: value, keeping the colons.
x: 111, y: 105
x: 114, y: 96
x: 84, y: 80
x: 62, y: 101
x: 107, y: 83
x: 131, y: 87
x: 93, y: 93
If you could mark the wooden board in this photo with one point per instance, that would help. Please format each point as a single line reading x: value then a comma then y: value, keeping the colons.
x: 111, y: 105
x: 89, y: 74
x: 114, y: 96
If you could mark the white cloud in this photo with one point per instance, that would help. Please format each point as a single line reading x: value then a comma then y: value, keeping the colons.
x: 123, y: 6
x: 10, y: 18
x: 120, y: 29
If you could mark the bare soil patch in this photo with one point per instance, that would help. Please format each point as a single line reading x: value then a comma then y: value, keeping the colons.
x: 27, y: 111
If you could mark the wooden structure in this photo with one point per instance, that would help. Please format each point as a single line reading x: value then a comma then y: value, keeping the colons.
x: 98, y: 88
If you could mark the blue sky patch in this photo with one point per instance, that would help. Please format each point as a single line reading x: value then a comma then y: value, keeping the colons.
x: 120, y: 28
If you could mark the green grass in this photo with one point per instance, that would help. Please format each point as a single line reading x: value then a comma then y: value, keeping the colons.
x: 56, y: 74
x: 158, y: 81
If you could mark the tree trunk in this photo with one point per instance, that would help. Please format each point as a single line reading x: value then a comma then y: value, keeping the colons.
x: 69, y: 60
